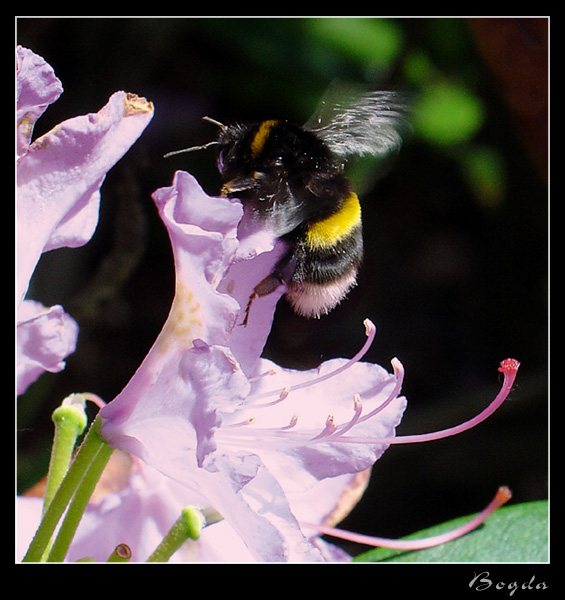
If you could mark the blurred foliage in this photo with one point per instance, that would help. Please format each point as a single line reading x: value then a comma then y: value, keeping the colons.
x: 455, y: 273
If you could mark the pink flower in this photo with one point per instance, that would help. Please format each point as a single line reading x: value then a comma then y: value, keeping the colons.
x: 155, y: 501
x: 58, y: 187
x: 260, y: 444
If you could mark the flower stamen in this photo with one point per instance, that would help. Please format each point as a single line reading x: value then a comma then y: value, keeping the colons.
x: 509, y: 367
x: 261, y: 375
x: 502, y: 496
x: 329, y: 428
x: 240, y: 424
x: 399, y: 373
x: 370, y: 332
x: 293, y: 422
x: 357, y: 410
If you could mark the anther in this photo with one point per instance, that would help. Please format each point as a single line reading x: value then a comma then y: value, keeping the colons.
x: 329, y: 428
x: 293, y: 422
x: 357, y: 410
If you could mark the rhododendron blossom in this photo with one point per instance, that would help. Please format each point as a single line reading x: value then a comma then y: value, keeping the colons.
x: 58, y: 195
x: 203, y: 408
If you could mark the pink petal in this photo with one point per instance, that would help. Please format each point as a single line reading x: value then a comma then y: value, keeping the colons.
x: 45, y: 338
x: 60, y: 175
x: 37, y: 88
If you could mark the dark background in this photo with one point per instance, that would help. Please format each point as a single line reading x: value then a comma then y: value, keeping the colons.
x: 455, y: 275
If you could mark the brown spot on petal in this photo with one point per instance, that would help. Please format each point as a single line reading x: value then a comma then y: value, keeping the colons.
x: 184, y: 322
x: 349, y: 498
x: 134, y: 104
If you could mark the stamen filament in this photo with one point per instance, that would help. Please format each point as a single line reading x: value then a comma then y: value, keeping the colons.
x: 261, y: 375
x: 239, y: 424
x: 370, y: 332
x: 502, y: 496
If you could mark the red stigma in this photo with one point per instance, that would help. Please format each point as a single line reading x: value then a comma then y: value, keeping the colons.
x: 509, y: 366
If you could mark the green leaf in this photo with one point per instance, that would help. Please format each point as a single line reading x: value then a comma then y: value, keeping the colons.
x: 516, y: 533
x: 375, y: 43
x: 448, y: 114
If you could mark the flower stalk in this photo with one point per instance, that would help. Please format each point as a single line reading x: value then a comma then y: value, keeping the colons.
x: 121, y: 554
x: 187, y: 526
x: 76, y: 488
x: 70, y: 421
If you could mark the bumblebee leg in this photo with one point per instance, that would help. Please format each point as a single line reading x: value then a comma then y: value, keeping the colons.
x: 238, y: 184
x: 282, y: 275
x: 263, y: 288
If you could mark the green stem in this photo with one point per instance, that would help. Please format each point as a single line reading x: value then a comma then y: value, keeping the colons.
x: 77, y: 471
x: 187, y: 526
x: 70, y: 422
x: 78, y: 504
x: 121, y: 554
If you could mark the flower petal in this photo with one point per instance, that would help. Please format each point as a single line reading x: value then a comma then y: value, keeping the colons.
x: 255, y: 260
x: 45, y: 337
x: 166, y: 392
x: 60, y: 175
x: 203, y: 232
x: 37, y: 88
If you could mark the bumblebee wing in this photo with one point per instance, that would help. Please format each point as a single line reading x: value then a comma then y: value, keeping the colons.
x: 367, y: 123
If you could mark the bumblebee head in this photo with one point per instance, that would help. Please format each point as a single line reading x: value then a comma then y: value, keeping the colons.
x: 234, y: 154
x: 269, y: 148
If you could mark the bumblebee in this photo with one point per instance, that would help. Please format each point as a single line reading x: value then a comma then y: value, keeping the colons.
x: 291, y: 178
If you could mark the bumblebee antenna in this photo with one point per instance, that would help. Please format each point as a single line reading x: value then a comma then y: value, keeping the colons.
x: 203, y: 146
x: 193, y: 149
x: 214, y: 122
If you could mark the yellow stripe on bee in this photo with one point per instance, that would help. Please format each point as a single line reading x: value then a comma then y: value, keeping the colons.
x: 261, y: 136
x: 336, y: 227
